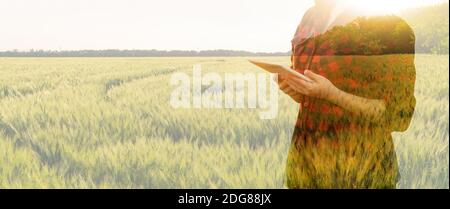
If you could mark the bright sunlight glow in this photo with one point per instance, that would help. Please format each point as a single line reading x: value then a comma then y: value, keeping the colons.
x: 388, y: 6
x: 252, y: 25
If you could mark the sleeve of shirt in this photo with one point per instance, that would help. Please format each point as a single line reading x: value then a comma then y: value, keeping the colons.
x: 392, y: 80
x: 398, y: 93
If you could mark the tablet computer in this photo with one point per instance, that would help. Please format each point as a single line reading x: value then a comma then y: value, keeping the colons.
x: 279, y: 69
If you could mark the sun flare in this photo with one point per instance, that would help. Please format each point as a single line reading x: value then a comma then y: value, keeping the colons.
x: 388, y: 6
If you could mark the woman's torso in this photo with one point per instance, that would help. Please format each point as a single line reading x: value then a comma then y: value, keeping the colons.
x: 332, y: 147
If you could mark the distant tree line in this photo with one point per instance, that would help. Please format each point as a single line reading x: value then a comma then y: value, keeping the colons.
x: 136, y: 53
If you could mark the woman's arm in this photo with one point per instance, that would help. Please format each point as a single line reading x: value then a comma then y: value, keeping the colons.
x: 322, y: 88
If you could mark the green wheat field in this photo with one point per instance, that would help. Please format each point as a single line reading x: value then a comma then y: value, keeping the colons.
x: 107, y: 123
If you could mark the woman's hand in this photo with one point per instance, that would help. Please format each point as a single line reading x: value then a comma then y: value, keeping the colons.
x: 320, y: 87
x: 284, y: 86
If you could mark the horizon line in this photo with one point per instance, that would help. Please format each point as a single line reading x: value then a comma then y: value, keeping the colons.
x: 117, y: 49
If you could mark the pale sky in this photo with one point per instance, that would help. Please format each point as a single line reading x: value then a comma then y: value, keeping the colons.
x: 253, y: 25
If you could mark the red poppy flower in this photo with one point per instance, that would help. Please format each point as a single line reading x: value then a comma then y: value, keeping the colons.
x: 322, y: 73
x: 347, y: 50
x: 338, y: 126
x: 309, y: 123
x: 312, y: 108
x: 325, y: 108
x: 316, y: 59
x: 334, y: 66
x: 330, y: 52
x: 303, y: 58
x: 323, y: 126
x: 337, y: 111
x: 348, y: 59
x: 352, y: 83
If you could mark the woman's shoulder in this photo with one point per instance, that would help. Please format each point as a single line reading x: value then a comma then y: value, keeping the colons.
x: 364, y: 18
x: 371, y: 35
